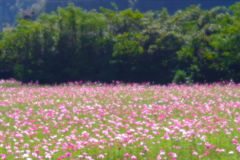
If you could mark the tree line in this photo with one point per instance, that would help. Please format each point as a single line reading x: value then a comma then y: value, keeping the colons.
x: 72, y: 44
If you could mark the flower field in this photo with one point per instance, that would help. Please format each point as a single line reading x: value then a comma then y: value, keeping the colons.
x: 120, y: 121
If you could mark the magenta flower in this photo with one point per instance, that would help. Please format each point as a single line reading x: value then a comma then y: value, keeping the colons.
x: 85, y: 134
x: 234, y: 141
x: 127, y: 155
x: 68, y: 154
x: 172, y: 154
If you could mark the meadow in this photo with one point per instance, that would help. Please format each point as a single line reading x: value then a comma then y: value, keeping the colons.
x: 86, y: 121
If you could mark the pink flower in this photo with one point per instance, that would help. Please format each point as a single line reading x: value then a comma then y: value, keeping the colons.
x: 68, y: 154
x: 127, y: 155
x: 234, y: 141
x: 150, y: 137
x: 220, y: 150
x: 133, y: 157
x: 172, y: 154
x: 238, y: 148
x: 63, y: 157
x: 85, y: 134
x: 162, y: 152
x: 26, y: 145
x: 100, y: 156
x: 195, y: 153
x: 206, y: 153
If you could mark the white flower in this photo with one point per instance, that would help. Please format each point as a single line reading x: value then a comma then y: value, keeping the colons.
x: 25, y: 155
x: 48, y: 156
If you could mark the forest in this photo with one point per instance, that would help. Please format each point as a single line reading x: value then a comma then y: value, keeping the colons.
x: 73, y: 44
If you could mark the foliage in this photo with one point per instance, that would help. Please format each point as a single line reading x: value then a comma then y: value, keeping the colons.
x: 73, y: 44
x: 180, y: 77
